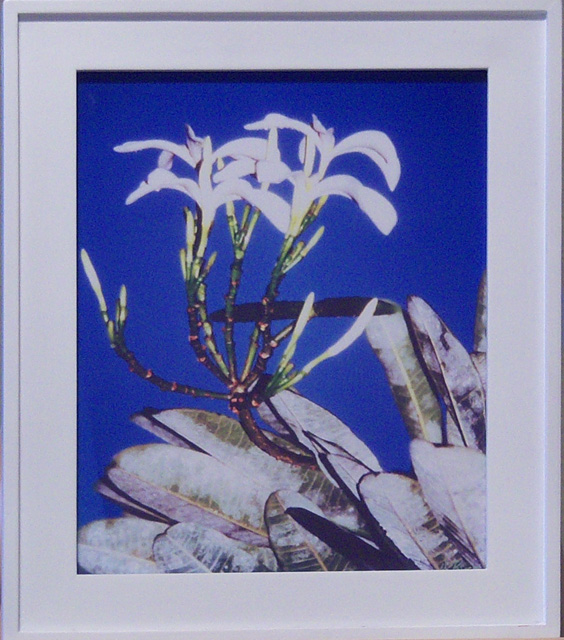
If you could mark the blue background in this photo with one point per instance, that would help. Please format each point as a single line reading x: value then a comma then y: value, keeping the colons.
x: 437, y: 121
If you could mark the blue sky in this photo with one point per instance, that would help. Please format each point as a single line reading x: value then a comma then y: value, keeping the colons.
x: 437, y: 121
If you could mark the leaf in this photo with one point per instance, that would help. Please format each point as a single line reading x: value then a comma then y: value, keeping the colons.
x: 105, y: 488
x: 452, y: 371
x: 189, y: 486
x: 389, y: 338
x: 480, y: 326
x: 121, y: 545
x: 453, y: 435
x: 341, y: 465
x: 397, y: 503
x: 453, y: 481
x: 480, y: 361
x: 218, y: 435
x: 224, y: 439
x: 364, y: 554
x: 309, y: 421
x: 296, y: 548
x: 188, y: 547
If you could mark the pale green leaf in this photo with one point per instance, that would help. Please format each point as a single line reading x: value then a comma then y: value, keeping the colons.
x: 452, y: 371
x: 397, y: 503
x: 104, y: 487
x: 224, y: 439
x: 453, y: 481
x: 188, y: 547
x: 389, y: 338
x: 189, y: 486
x: 304, y: 418
x: 340, y: 464
x: 120, y: 545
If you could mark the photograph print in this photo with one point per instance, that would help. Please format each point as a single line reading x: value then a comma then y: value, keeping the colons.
x: 281, y: 294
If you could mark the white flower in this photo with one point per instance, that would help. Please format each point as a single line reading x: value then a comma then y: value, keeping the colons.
x: 191, y: 152
x: 198, y: 154
x: 302, y: 320
x: 264, y: 161
x: 93, y: 280
x: 309, y: 186
x: 346, y: 340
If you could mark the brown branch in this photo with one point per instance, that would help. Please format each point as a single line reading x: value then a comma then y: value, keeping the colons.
x: 164, y: 385
x: 241, y: 406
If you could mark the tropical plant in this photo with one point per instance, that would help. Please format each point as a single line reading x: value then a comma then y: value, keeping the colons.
x: 298, y: 491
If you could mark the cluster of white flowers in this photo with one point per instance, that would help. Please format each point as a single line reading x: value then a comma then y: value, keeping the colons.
x: 219, y: 182
x: 247, y: 167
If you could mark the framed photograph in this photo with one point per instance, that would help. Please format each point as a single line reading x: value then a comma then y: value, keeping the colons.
x: 281, y: 301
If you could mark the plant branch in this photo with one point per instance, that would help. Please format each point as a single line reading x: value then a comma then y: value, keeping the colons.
x: 241, y: 406
x: 240, y: 238
x: 262, y: 326
x: 164, y: 385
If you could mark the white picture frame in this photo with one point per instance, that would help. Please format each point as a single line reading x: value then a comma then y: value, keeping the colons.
x: 44, y: 44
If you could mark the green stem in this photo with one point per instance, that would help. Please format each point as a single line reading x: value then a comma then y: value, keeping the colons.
x: 240, y: 243
x: 234, y: 282
x: 207, y: 328
x: 266, y: 352
x: 199, y: 349
x: 262, y: 326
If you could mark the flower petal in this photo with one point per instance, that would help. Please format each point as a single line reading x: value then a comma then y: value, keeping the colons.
x: 165, y: 160
x: 93, y: 279
x: 236, y: 169
x: 194, y: 144
x: 164, y: 179
x: 272, y: 172
x: 179, y: 150
x: 326, y: 136
x: 279, y: 121
x: 345, y: 341
x: 378, y: 147
x: 243, y: 148
x: 303, y: 318
x: 275, y: 209
x: 377, y: 208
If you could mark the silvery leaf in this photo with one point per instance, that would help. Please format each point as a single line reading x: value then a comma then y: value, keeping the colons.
x: 390, y: 339
x: 480, y: 361
x: 453, y: 481
x: 480, y: 326
x: 189, y: 486
x: 188, y: 547
x: 397, y: 503
x: 452, y: 371
x: 120, y: 545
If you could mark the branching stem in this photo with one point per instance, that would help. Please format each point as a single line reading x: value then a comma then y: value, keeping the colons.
x: 164, y: 385
x: 241, y: 406
x: 262, y: 326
